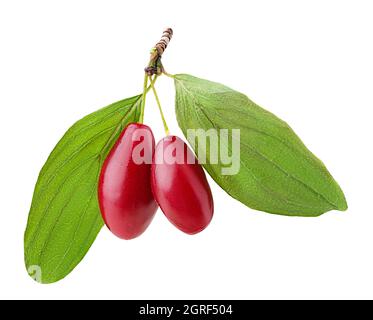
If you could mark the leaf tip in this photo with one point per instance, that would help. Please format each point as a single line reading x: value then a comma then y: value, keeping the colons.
x: 35, y: 273
x: 342, y: 205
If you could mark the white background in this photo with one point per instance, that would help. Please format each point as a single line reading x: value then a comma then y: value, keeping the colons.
x: 309, y: 62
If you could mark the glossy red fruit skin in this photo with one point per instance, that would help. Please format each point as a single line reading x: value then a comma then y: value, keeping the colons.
x: 126, y: 201
x: 181, y: 189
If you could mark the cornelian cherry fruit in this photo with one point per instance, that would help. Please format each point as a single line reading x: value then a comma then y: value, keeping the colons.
x: 124, y: 192
x: 180, y: 186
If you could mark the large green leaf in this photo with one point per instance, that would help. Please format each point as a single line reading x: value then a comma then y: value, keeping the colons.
x: 64, y: 218
x: 278, y: 174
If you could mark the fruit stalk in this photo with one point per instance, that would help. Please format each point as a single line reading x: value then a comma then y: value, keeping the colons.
x: 167, y: 131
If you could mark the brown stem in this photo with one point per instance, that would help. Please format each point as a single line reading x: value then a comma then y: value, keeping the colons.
x: 155, y: 65
x: 165, y: 40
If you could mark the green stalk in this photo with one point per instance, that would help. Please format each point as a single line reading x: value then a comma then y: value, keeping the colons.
x: 143, y: 99
x: 152, y: 81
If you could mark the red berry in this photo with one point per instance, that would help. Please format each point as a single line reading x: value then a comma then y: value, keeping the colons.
x: 180, y: 186
x: 124, y: 192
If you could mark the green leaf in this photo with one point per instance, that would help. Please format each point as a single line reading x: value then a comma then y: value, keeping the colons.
x: 64, y: 218
x: 277, y: 174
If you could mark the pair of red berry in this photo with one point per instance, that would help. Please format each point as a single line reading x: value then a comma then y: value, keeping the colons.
x: 167, y: 175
